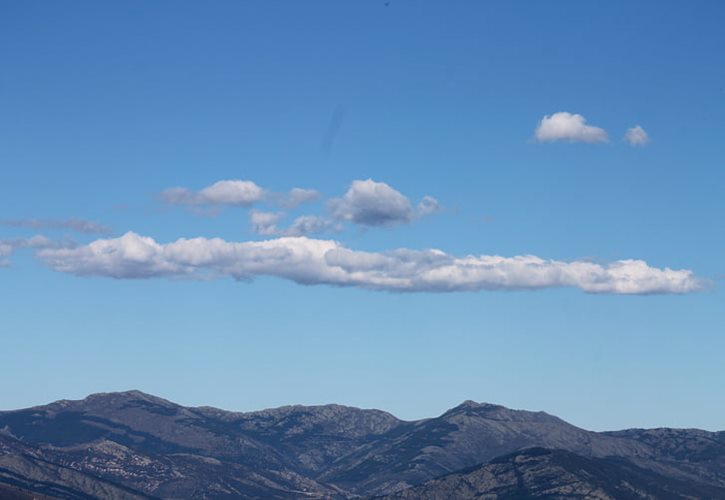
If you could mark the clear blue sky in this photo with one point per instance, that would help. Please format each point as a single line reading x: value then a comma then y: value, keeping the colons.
x: 107, y: 106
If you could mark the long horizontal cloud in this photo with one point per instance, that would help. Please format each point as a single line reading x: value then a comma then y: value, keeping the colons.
x: 314, y: 261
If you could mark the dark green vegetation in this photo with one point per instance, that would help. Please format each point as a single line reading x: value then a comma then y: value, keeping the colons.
x: 132, y: 445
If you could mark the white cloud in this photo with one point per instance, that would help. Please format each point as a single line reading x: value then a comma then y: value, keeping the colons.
x: 314, y: 261
x: 371, y: 203
x: 563, y: 126
x: 227, y: 192
x: 79, y: 225
x: 636, y: 136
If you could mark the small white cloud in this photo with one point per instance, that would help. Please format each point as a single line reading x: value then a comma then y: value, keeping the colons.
x: 227, y: 192
x: 428, y: 205
x: 636, y: 136
x: 563, y: 126
x: 371, y: 203
x: 313, y: 261
x: 232, y: 192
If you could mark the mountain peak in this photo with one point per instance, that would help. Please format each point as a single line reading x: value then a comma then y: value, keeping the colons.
x: 489, y: 411
x: 469, y: 403
x: 473, y: 405
x: 109, y: 400
x: 130, y: 395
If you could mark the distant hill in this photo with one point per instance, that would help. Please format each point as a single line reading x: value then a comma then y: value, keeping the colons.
x: 134, y: 445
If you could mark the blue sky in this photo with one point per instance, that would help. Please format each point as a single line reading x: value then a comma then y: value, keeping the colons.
x: 107, y: 107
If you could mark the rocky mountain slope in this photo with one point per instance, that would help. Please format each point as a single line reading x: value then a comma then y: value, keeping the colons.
x: 469, y: 434
x: 542, y: 473
x: 133, y: 445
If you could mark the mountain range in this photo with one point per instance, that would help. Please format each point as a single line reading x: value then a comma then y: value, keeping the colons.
x: 131, y: 445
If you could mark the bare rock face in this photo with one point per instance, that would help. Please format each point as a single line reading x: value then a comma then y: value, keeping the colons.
x: 133, y: 445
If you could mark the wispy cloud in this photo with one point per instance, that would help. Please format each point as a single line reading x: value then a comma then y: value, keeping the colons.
x: 636, y: 136
x: 266, y: 224
x: 37, y: 242
x: 569, y: 127
x: 314, y: 261
x: 298, y: 196
x: 311, y: 224
x: 5, y: 252
x: 78, y: 225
